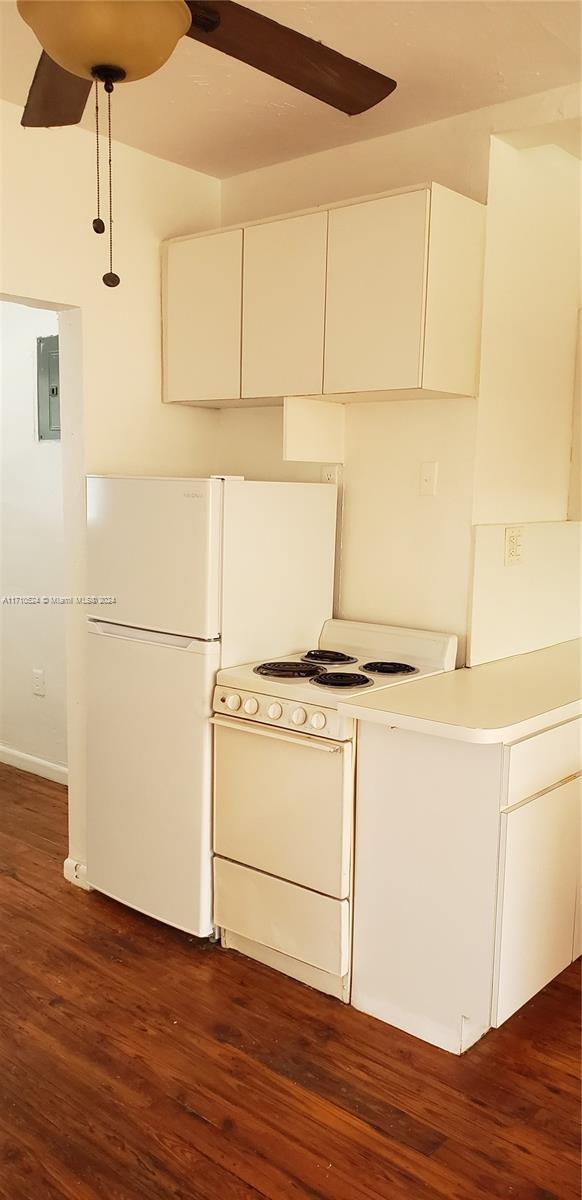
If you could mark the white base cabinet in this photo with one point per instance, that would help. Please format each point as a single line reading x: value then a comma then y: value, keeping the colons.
x: 465, y: 898
x: 539, y: 869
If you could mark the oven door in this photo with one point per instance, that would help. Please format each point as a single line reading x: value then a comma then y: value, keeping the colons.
x: 283, y: 804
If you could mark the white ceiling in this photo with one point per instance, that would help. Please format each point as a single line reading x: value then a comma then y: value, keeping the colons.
x: 210, y: 112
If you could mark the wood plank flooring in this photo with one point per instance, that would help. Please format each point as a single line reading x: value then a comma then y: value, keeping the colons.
x: 137, y: 1064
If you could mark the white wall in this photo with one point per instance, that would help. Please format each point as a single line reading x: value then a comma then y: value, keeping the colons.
x: 530, y: 311
x: 52, y: 254
x: 531, y: 603
x: 249, y: 442
x: 454, y: 152
x: 575, y: 488
x: 406, y: 557
x: 110, y: 347
x: 31, y: 549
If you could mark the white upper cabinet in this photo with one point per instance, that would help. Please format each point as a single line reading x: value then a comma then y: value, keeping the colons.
x: 202, y: 318
x: 382, y: 296
x: 404, y: 285
x: 375, y: 294
x: 284, y: 307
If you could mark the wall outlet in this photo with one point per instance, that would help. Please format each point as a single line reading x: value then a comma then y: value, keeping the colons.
x: 429, y: 474
x: 38, y: 682
x: 513, y: 545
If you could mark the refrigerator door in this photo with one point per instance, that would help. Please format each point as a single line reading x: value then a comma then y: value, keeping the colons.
x: 155, y: 545
x: 278, y: 574
x: 149, y: 773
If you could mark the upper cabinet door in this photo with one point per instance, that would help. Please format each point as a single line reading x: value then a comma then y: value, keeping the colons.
x: 284, y: 307
x: 202, y: 318
x: 376, y: 282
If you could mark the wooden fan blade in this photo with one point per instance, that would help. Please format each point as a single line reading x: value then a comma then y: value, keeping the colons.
x: 287, y: 55
x: 55, y: 97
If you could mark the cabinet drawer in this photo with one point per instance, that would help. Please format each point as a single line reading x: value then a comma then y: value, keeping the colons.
x: 291, y: 919
x: 543, y: 760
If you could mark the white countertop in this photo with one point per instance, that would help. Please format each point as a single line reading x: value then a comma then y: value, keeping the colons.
x: 496, y: 702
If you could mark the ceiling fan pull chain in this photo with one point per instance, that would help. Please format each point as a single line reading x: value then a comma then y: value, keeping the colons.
x: 110, y: 279
x: 98, y: 224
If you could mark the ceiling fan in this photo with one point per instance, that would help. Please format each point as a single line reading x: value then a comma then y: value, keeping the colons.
x: 121, y: 40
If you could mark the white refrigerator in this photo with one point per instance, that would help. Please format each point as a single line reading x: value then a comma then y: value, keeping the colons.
x: 204, y: 573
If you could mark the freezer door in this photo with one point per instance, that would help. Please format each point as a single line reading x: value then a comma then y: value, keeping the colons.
x: 149, y: 774
x: 155, y: 545
x: 278, y: 553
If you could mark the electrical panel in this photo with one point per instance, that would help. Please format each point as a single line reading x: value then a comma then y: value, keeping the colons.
x: 48, y: 389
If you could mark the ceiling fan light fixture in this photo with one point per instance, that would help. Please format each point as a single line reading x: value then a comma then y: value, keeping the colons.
x: 134, y: 38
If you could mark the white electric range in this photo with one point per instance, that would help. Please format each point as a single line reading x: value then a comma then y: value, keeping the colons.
x: 284, y: 794
x: 302, y: 691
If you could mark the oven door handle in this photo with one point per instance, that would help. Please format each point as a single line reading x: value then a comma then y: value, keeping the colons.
x: 297, y: 739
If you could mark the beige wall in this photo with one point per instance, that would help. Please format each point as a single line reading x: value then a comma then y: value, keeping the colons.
x: 110, y: 345
x: 454, y: 152
x: 531, y: 603
x: 406, y: 557
x: 575, y: 489
x: 48, y: 252
x: 249, y: 442
x: 31, y: 551
x: 530, y: 309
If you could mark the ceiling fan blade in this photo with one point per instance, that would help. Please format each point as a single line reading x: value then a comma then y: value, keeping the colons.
x: 287, y: 55
x: 55, y: 97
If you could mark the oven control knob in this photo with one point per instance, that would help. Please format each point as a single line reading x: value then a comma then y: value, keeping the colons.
x: 299, y: 716
x: 251, y: 706
x: 318, y: 721
x: 233, y: 703
x: 274, y: 711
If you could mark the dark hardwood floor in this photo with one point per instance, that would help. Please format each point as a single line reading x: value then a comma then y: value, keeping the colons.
x: 136, y: 1064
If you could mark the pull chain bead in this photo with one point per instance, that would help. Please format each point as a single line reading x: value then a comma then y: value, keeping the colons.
x: 110, y: 279
x: 98, y: 224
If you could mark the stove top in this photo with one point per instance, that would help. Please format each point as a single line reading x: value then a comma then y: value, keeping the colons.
x: 351, y: 657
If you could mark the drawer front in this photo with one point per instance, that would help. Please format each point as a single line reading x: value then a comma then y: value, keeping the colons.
x: 282, y: 916
x: 283, y: 804
x: 543, y: 760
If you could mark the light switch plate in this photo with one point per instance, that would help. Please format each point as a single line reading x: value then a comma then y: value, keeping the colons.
x: 38, y: 682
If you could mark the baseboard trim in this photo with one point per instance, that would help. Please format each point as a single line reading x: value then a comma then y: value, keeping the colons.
x: 57, y: 772
x: 76, y: 872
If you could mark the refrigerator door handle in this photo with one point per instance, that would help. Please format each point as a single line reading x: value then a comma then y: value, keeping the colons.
x: 130, y: 632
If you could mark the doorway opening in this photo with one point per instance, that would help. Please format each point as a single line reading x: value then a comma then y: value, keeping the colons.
x: 40, y: 460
